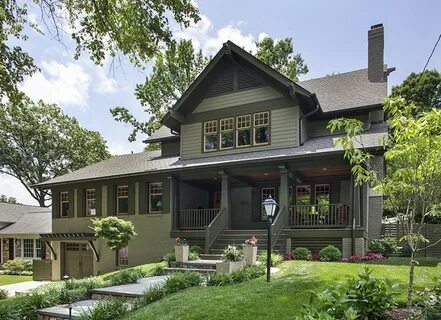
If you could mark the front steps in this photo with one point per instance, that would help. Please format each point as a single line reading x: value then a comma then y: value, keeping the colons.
x: 238, y: 237
x: 201, y: 266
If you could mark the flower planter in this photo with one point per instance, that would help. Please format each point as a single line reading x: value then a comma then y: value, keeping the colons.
x: 250, y: 255
x: 228, y: 267
x: 181, y: 253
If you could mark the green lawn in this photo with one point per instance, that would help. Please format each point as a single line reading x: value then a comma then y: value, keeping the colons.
x: 7, y: 279
x: 283, y: 297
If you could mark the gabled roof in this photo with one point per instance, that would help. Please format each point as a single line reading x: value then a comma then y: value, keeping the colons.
x: 24, y: 219
x: 346, y: 91
x: 149, y: 162
x: 11, y: 212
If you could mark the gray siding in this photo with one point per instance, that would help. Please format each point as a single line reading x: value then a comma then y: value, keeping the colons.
x: 284, y: 133
x: 238, y: 98
x: 170, y: 148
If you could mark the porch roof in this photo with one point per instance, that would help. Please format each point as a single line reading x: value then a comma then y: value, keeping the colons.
x: 151, y: 162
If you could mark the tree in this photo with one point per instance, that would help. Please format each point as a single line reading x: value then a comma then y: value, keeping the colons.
x: 39, y: 142
x: 422, y: 89
x: 414, y: 153
x: 6, y: 199
x: 116, y: 231
x: 280, y: 55
x: 174, y: 71
x: 135, y: 29
x: 177, y: 67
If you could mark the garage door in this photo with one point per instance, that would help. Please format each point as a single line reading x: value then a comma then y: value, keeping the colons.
x: 78, y: 260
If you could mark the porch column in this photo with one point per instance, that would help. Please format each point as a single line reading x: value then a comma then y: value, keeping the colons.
x: 226, y: 196
x: 284, y: 190
x: 356, y: 203
x: 173, y: 201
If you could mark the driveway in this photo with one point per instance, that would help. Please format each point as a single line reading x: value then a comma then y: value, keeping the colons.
x: 22, y: 287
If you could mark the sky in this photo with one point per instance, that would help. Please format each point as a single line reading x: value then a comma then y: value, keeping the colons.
x: 331, y: 36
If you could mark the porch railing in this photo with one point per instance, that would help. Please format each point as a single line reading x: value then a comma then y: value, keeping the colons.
x: 319, y: 216
x: 278, y: 224
x: 196, y: 218
x: 213, y: 230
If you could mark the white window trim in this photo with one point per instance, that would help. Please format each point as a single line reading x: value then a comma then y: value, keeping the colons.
x: 328, y: 185
x: 154, y: 194
x: 226, y: 131
x: 211, y: 133
x: 310, y: 193
x: 90, y: 200
x: 250, y: 128
x: 121, y: 197
x: 119, y: 258
x: 260, y: 126
x: 63, y: 201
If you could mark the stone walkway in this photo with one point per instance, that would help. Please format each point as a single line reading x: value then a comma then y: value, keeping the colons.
x: 22, y: 287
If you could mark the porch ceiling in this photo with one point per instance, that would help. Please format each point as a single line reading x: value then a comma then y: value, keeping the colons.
x: 325, y: 171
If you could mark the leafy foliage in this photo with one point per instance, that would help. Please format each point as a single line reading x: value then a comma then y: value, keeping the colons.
x: 109, y: 309
x: 135, y: 29
x: 302, y: 253
x: 196, y: 249
x: 6, y: 199
x: 386, y: 246
x: 182, y: 280
x: 232, y: 254
x: 276, y: 258
x: 421, y: 89
x: 330, y: 253
x: 217, y: 279
x: 3, y: 294
x: 116, y: 231
x: 18, y: 265
x: 125, y: 276
x: 279, y: 54
x: 39, y: 142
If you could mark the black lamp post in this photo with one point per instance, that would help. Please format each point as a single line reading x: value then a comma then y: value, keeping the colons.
x: 270, y: 209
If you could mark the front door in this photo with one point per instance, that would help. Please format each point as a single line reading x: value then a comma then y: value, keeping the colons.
x: 78, y: 260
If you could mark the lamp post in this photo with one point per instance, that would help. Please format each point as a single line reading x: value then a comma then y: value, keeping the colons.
x: 270, y: 209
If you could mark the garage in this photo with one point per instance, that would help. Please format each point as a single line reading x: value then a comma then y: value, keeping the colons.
x: 78, y: 260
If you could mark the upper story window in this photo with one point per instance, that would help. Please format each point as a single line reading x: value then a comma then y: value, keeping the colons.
x: 91, y: 202
x: 64, y: 204
x: 155, y: 197
x: 261, y: 128
x: 243, y: 125
x: 210, y: 136
x: 122, y: 199
x: 227, y: 133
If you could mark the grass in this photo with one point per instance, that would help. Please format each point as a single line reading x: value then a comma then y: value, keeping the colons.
x: 9, y: 279
x: 282, y: 298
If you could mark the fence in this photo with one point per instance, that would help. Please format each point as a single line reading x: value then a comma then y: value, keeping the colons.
x: 432, y: 232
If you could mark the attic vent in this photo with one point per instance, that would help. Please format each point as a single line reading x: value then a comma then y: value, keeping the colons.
x: 223, y: 84
x: 246, y: 80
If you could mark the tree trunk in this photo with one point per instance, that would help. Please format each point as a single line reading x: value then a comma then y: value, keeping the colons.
x: 41, y: 200
x: 411, y: 277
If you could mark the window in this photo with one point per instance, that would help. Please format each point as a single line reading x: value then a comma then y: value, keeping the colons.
x: 64, y: 204
x: 122, y: 199
x: 155, y: 197
x: 123, y: 257
x: 38, y: 244
x: 261, y: 128
x: 210, y: 135
x: 18, y: 248
x: 322, y: 194
x: 243, y: 125
x: 266, y: 192
x: 303, y: 195
x: 227, y: 133
x: 28, y: 248
x: 91, y: 202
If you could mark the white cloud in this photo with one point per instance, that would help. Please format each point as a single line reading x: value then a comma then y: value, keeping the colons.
x: 232, y: 33
x: 126, y: 147
x: 105, y: 84
x: 11, y: 187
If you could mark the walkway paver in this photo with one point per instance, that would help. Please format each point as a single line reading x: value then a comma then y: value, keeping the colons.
x: 22, y: 287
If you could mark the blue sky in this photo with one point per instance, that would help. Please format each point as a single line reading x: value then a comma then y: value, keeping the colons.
x: 330, y: 35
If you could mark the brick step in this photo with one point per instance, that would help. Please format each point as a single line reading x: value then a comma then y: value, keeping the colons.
x: 205, y: 271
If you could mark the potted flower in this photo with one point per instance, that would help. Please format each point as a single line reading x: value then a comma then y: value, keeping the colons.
x: 250, y: 251
x: 181, y: 250
x: 232, y: 260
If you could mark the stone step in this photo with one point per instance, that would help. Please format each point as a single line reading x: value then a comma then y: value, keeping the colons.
x: 208, y: 256
x: 205, y: 271
x: 196, y: 264
x: 62, y: 311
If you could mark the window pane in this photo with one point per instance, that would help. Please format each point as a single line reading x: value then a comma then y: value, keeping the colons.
x: 18, y: 248
x: 64, y: 209
x: 155, y: 197
x: 261, y: 135
x: 38, y: 244
x: 123, y: 257
x: 261, y: 119
x: 303, y: 195
x: 227, y: 140
x: 123, y: 205
x: 64, y: 204
x: 227, y: 124
x: 211, y: 142
x: 91, y: 202
x: 244, y: 137
x: 28, y: 249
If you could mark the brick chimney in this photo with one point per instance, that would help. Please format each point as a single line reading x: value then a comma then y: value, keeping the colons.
x: 376, y: 53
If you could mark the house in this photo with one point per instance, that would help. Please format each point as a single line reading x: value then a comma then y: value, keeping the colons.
x: 20, y: 228
x: 241, y: 132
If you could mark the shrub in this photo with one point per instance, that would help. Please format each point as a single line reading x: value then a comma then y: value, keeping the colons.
x: 170, y: 258
x: 302, y: 253
x: 107, y: 310
x: 116, y: 231
x: 18, y: 265
x: 288, y: 256
x: 159, y: 271
x: 193, y: 256
x: 330, y: 253
x: 216, y: 279
x: 125, y: 277
x: 196, y: 249
x: 18, y: 273
x: 3, y: 294
x: 152, y: 295
x: 85, y: 284
x: 232, y: 254
x: 181, y: 281
x: 386, y: 246
x: 276, y: 258
x: 373, y: 257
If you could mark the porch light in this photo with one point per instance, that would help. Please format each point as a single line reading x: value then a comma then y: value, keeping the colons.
x: 270, y: 209
x: 270, y: 206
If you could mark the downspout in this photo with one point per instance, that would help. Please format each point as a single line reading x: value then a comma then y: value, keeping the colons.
x: 317, y: 108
